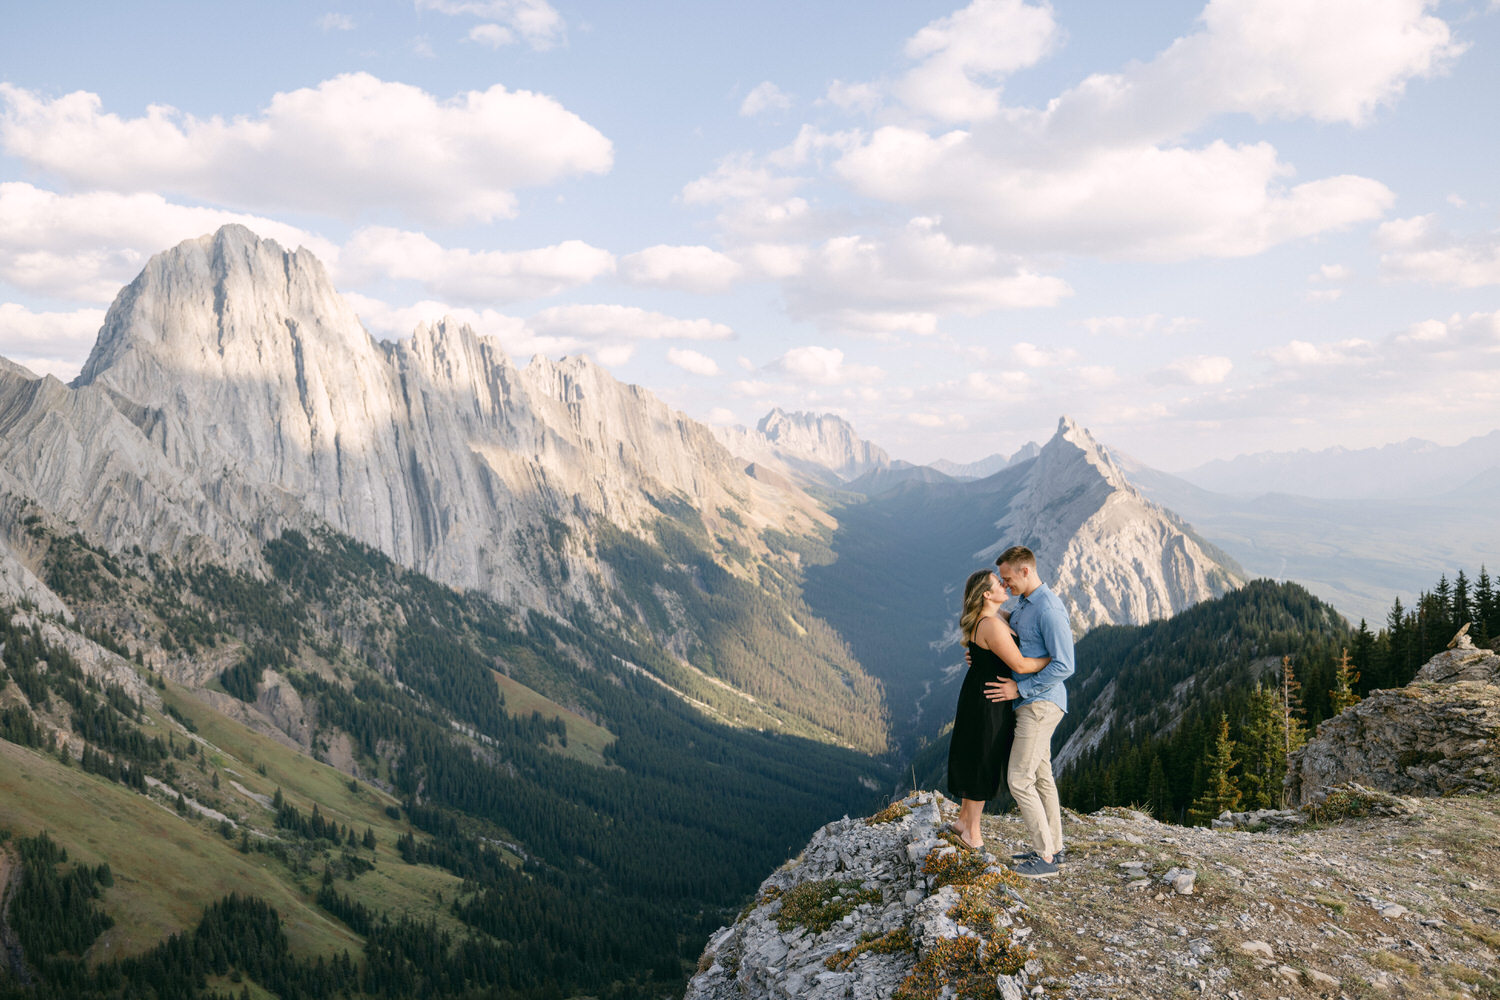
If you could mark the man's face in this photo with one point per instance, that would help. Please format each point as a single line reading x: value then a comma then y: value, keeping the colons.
x: 1014, y: 577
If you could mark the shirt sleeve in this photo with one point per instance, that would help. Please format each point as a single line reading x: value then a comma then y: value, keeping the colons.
x: 1058, y: 637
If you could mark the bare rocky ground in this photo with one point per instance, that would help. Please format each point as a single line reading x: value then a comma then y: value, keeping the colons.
x: 1384, y: 906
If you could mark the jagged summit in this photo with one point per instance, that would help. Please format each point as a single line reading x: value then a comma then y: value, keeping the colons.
x: 1113, y: 556
x: 823, y: 439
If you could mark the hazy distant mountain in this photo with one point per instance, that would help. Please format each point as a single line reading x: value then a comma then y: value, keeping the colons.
x: 814, y: 448
x: 1357, y: 555
x: 1412, y: 469
x: 986, y: 467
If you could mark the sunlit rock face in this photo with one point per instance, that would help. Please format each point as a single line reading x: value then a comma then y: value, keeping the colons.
x: 1112, y: 555
x: 232, y: 393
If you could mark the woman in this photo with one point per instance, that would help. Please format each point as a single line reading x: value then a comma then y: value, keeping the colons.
x: 982, y: 729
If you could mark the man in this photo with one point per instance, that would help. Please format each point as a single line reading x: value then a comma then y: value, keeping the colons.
x: 1041, y: 625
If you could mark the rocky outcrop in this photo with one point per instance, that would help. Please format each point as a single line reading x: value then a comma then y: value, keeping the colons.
x: 1112, y: 555
x: 1439, y: 735
x: 870, y: 908
x: 1396, y: 902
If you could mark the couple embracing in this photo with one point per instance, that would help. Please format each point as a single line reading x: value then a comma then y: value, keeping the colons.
x: 1011, y: 702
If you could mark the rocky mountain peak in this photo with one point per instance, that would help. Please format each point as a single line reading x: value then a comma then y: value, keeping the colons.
x: 1072, y: 452
x: 1113, y: 556
x: 824, y: 439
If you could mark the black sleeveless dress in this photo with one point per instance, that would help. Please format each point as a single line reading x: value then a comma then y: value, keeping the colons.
x: 982, y: 731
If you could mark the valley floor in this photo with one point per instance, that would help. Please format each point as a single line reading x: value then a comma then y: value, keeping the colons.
x: 1377, y: 907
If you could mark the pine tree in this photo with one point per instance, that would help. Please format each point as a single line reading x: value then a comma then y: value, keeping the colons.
x: 1222, y: 791
x: 1486, y: 609
x: 1262, y: 750
x: 1462, y: 609
x: 1294, y: 725
x: 1158, y: 792
x: 1344, y: 679
x: 1365, y: 648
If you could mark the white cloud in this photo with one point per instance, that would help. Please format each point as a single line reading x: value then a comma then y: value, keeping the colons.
x: 692, y: 361
x: 1135, y: 201
x: 915, y: 273
x: 1031, y: 356
x: 1417, y: 249
x: 336, y: 22
x: 882, y: 325
x: 822, y: 366
x: 959, y: 53
x: 1138, y: 326
x: 469, y: 275
x: 1325, y: 294
x: 773, y: 260
x: 1107, y: 167
x: 1302, y: 354
x: 757, y: 204
x: 48, y: 342
x: 1094, y: 376
x: 534, y: 20
x: 765, y: 97
x: 352, y: 144
x: 855, y: 97
x: 613, y: 322
x: 492, y: 35
x: 722, y: 417
x: 1332, y: 272
x: 692, y: 268
x: 85, y: 246
x: 939, y: 421
x: 1198, y: 370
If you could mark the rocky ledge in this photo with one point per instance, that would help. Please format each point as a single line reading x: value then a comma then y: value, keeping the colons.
x: 1374, y: 896
x: 889, y: 906
x: 1439, y: 735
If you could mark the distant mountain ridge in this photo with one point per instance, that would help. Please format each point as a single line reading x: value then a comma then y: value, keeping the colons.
x: 1411, y: 469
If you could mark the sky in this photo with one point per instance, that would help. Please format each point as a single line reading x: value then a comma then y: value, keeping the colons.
x: 1199, y: 230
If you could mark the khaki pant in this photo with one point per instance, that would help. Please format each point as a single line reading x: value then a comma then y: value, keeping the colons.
x: 1030, y: 775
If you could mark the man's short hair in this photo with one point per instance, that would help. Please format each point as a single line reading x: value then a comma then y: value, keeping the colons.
x: 1017, y: 555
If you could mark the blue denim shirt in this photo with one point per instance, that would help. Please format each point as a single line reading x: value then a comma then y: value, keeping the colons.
x: 1041, y: 626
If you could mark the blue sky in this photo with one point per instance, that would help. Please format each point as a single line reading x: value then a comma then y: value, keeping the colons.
x: 1199, y: 230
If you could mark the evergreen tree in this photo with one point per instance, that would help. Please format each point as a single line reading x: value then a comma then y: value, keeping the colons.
x: 1486, y: 613
x: 1294, y: 724
x: 1222, y: 791
x: 1262, y: 750
x: 1158, y: 792
x: 1344, y: 679
x: 1462, y: 610
x: 1365, y: 648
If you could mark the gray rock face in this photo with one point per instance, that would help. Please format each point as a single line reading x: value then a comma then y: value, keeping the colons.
x: 1439, y: 735
x: 756, y: 960
x: 232, y: 392
x: 1113, y: 556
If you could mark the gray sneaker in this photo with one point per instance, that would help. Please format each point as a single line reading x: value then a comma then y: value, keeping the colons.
x: 1057, y: 859
x: 1036, y: 868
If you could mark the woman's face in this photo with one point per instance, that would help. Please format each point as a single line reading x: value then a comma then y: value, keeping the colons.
x: 997, y: 591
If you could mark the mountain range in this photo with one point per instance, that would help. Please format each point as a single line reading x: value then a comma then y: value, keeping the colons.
x: 525, y: 625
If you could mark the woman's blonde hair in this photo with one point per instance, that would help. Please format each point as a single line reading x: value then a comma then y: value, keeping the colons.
x: 975, y: 588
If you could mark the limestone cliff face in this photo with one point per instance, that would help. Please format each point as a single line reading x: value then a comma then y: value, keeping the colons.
x: 1112, y: 555
x: 232, y: 392
x: 1439, y: 735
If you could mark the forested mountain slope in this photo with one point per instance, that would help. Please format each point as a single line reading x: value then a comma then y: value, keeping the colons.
x: 504, y: 800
